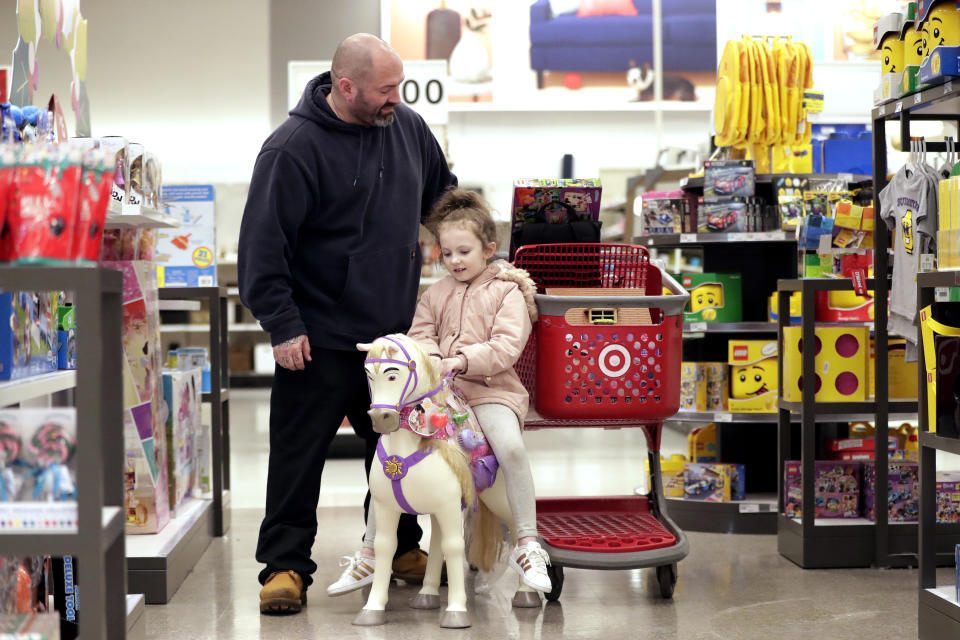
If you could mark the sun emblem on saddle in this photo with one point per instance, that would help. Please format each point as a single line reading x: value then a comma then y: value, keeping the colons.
x: 393, y: 467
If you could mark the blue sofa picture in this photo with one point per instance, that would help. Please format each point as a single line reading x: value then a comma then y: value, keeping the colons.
x: 610, y: 43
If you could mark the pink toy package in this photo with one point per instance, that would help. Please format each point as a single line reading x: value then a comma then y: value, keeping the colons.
x: 836, y: 489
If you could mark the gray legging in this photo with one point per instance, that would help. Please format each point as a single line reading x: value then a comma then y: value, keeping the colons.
x: 502, y: 430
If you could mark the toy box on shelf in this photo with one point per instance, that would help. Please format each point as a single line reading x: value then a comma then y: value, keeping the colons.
x: 941, y: 351
x: 913, y: 50
x: 855, y: 449
x: 790, y: 190
x: 693, y: 387
x: 840, y: 364
x: 671, y: 472
x: 186, y: 255
x: 888, y: 34
x: 836, y: 489
x: 948, y: 226
x: 844, y: 306
x: 530, y: 195
x: 940, y: 62
x: 902, y: 494
x: 714, y: 297
x: 718, y: 386
x: 713, y: 482
x: 66, y: 337
x: 28, y: 333
x: 948, y: 496
x: 181, y: 391
x: 663, y: 212
x: 728, y: 178
x: 753, y: 376
x: 146, y: 482
x: 702, y: 444
x: 37, y: 462
x: 901, y: 375
x: 795, y: 302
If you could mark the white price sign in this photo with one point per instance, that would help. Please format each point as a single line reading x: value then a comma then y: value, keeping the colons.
x: 424, y: 87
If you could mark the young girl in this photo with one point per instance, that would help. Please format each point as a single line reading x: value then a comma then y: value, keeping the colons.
x: 477, y: 321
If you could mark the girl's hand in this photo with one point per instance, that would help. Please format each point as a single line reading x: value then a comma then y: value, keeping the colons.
x: 451, y: 365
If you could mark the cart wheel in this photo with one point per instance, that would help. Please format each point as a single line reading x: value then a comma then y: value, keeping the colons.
x: 667, y: 579
x: 555, y: 572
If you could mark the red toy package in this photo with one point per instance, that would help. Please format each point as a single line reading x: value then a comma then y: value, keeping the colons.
x: 92, y: 208
x: 48, y: 182
x: 8, y: 168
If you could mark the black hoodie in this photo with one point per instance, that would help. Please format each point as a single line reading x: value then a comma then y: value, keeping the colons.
x: 329, y: 237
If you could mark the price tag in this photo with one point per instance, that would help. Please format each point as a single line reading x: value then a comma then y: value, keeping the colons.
x: 916, y: 98
x: 883, y: 110
x: 942, y: 294
x: 770, y: 235
x: 749, y: 508
x: 926, y: 262
x: 948, y: 88
x: 738, y: 236
x: 698, y: 327
x: 687, y: 238
x: 899, y: 107
x: 723, y: 417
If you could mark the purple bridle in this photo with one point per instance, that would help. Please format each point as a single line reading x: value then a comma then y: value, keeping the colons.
x: 411, y: 366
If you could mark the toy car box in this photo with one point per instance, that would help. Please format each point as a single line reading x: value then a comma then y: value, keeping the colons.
x: 28, y: 333
x: 713, y: 482
x: 693, y: 387
x: 903, y: 492
x: 836, y: 489
x: 728, y: 178
x: 663, y: 212
x: 753, y: 376
x: 714, y: 297
x: 948, y: 496
x: 724, y: 216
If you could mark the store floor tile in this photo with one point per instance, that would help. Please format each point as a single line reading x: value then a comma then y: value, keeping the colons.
x: 734, y: 587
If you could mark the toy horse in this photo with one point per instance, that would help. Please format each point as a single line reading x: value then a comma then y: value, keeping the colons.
x: 431, y: 460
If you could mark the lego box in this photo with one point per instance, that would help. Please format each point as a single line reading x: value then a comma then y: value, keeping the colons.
x: 727, y: 178
x: 903, y: 497
x: 671, y: 472
x: 948, y: 496
x: 718, y: 386
x: 663, y: 212
x: 702, y: 444
x: 693, y: 387
x: 531, y: 195
x: 836, y: 489
x: 714, y: 482
x: 753, y: 376
x: 714, y: 297
x: 840, y: 364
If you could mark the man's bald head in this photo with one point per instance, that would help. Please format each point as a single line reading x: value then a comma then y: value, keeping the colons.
x: 359, y: 55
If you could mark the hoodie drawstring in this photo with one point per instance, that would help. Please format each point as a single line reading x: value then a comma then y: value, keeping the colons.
x: 356, y: 177
x: 381, y: 151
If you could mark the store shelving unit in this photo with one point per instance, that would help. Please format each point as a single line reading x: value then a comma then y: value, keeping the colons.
x: 97, y: 542
x: 730, y: 327
x: 939, y: 610
x: 158, y: 564
x: 132, y: 215
x: 757, y: 513
x: 696, y: 184
x: 681, y: 239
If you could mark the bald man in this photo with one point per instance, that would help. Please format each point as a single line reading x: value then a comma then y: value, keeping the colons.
x: 329, y: 257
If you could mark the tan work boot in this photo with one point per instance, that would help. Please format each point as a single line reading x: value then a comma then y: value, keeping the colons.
x: 283, y: 592
x: 411, y: 566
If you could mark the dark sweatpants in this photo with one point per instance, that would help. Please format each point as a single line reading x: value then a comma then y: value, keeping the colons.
x: 306, y: 409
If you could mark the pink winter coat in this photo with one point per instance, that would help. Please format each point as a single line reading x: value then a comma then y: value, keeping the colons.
x: 488, y: 322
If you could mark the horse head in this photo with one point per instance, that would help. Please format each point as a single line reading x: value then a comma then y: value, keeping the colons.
x: 399, y: 374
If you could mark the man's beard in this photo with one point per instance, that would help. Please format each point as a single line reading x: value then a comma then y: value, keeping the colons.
x: 383, y: 119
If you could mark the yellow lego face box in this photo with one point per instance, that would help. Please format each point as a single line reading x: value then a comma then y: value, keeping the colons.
x: 841, y: 364
x: 753, y: 376
x: 714, y: 297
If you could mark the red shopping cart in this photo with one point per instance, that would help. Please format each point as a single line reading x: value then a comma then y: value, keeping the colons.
x: 605, y: 353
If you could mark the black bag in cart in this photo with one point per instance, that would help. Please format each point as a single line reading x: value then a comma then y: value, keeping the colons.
x: 572, y: 230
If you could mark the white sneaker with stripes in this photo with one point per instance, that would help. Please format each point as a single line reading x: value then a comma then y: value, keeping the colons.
x: 530, y: 561
x: 358, y: 573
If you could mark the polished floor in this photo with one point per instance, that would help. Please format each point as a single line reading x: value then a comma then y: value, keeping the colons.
x: 730, y: 587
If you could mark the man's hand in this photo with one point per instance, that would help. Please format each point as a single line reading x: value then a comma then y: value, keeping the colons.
x: 292, y: 353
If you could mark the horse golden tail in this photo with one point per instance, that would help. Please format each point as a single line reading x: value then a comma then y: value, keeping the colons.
x: 486, y: 543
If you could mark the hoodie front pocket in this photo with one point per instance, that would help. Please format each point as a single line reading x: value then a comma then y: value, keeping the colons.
x: 380, y: 293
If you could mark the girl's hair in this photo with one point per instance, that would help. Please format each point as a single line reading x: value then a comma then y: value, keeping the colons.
x: 466, y: 207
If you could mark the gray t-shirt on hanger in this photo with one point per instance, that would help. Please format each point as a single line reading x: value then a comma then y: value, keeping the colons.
x: 906, y: 204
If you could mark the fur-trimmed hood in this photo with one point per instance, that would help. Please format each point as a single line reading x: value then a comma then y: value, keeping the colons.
x: 528, y: 288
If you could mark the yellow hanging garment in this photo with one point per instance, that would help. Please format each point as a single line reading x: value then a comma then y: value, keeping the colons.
x: 804, y: 129
x: 756, y: 132
x: 783, y: 54
x: 726, y: 111
x: 771, y: 94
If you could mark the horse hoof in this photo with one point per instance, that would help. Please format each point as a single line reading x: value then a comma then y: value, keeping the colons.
x: 526, y: 599
x: 455, y: 620
x: 425, y: 601
x: 370, y: 618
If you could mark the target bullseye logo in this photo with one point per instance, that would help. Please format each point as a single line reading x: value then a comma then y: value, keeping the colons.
x: 614, y: 360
